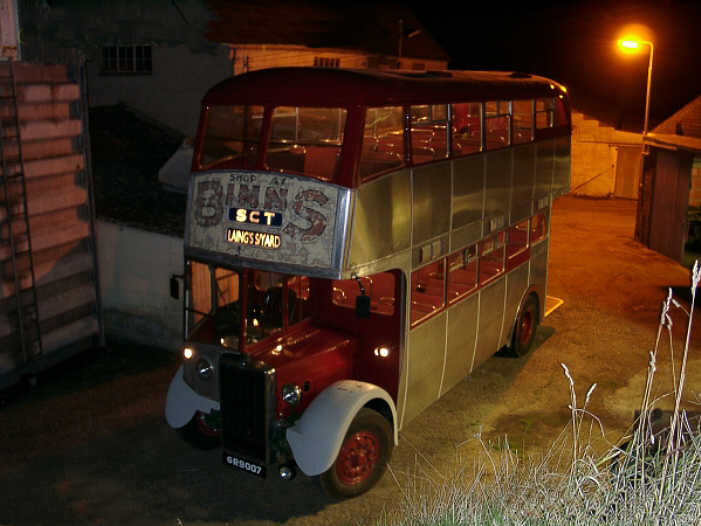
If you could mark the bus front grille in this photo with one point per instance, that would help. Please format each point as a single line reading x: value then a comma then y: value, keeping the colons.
x: 247, y: 403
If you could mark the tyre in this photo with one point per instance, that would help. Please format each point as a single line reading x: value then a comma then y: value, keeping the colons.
x: 201, y: 434
x: 526, y: 325
x: 363, y: 457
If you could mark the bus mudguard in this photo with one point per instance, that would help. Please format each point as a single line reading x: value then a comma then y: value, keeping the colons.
x: 316, y: 438
x: 182, y: 402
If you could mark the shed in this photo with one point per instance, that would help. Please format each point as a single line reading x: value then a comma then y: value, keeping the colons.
x: 669, y: 209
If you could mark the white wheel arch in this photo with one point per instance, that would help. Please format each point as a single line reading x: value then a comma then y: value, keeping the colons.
x: 317, y: 436
x: 182, y: 402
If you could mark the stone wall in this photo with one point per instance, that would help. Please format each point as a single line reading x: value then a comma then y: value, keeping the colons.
x: 594, y: 155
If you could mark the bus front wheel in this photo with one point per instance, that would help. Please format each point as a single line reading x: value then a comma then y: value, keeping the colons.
x: 526, y: 325
x: 363, y: 456
x: 200, y: 433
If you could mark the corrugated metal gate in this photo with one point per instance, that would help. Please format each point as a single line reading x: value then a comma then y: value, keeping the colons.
x: 49, y: 297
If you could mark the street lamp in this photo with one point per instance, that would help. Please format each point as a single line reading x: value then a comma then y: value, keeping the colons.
x: 631, y: 45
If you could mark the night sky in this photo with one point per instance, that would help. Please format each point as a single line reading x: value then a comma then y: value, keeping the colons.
x: 575, y: 43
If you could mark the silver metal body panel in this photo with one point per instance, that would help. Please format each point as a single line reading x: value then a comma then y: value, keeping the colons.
x: 523, y: 182
x: 425, y: 351
x: 490, y: 322
x: 561, y: 176
x: 496, y: 205
x: 381, y: 219
x: 539, y: 270
x: 409, y: 218
x: 460, y: 347
x: 545, y: 161
x: 468, y: 200
x: 517, y: 283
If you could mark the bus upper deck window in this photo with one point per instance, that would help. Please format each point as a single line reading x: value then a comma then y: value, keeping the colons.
x: 544, y: 113
x: 523, y: 121
x: 232, y: 133
x: 306, y: 140
x: 497, y: 115
x: 383, y: 141
x: 466, y: 128
x: 429, y: 141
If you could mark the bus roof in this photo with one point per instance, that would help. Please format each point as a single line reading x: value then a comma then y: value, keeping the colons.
x: 322, y: 87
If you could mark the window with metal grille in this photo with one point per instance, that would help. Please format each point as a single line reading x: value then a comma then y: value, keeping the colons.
x: 327, y: 62
x: 126, y: 59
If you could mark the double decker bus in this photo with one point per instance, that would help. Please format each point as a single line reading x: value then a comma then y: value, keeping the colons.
x: 356, y: 244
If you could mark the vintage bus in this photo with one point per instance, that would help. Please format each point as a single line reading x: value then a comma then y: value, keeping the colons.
x: 357, y: 242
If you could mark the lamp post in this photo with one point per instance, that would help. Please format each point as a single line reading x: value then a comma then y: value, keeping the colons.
x: 633, y: 44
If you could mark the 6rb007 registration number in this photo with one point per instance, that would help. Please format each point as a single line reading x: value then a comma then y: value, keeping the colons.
x: 244, y: 465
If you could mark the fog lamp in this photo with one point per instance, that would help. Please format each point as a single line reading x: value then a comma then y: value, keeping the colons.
x: 291, y: 393
x: 204, y: 369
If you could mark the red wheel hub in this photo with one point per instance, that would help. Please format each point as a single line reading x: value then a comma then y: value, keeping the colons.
x: 204, y: 427
x: 525, y: 327
x: 358, y: 457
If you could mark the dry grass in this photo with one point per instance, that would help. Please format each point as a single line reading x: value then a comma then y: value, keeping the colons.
x: 650, y: 477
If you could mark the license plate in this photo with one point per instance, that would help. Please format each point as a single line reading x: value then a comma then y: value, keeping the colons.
x: 243, y: 465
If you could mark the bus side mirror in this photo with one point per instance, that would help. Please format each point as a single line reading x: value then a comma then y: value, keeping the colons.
x: 174, y: 287
x: 362, y: 306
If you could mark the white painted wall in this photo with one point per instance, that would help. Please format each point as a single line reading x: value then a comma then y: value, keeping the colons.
x: 172, y: 93
x: 135, y: 270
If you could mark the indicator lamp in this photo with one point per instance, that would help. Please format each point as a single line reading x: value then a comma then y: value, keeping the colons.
x: 381, y: 352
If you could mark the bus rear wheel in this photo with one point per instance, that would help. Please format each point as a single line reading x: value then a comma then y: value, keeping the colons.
x: 363, y: 457
x: 526, y: 325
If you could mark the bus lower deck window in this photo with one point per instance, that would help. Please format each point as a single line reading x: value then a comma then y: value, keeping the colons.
x: 462, y: 273
x: 427, y: 291
x: 491, y: 258
x: 538, y: 227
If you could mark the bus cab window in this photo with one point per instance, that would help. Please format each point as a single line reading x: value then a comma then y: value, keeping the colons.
x: 429, y: 140
x: 427, y: 291
x: 383, y: 141
x: 380, y: 287
x: 232, y: 133
x: 523, y: 121
x: 491, y: 258
x: 466, y: 128
x: 538, y: 228
x: 462, y: 273
x: 306, y: 140
x: 496, y: 123
x: 518, y: 239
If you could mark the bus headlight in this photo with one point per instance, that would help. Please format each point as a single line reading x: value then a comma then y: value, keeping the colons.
x: 204, y: 369
x: 291, y: 393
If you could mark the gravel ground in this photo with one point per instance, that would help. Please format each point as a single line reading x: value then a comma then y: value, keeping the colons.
x: 88, y: 444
